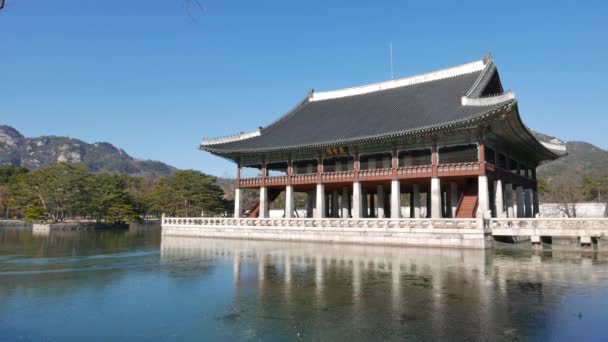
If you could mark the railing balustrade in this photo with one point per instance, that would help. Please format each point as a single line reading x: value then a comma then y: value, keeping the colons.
x: 327, y: 223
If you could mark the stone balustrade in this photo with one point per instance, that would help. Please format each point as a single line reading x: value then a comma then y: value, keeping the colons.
x: 329, y: 223
x: 465, y: 233
x: 567, y: 227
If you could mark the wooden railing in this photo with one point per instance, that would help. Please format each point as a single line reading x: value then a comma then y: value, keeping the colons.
x: 339, y: 176
x: 376, y: 174
x: 404, y: 172
x: 414, y: 171
x: 458, y: 169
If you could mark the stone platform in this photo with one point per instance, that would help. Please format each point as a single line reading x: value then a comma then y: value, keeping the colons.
x: 461, y: 233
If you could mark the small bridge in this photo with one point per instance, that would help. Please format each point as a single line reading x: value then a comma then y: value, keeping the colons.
x: 560, y: 232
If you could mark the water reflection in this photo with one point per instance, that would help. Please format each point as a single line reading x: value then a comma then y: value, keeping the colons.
x: 377, y: 291
x: 218, y: 289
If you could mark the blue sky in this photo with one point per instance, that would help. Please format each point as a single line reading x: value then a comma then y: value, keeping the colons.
x: 148, y: 78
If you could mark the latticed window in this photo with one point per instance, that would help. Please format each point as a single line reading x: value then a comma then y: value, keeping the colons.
x: 458, y: 154
x: 490, y: 155
x: 415, y: 157
x: 502, y: 161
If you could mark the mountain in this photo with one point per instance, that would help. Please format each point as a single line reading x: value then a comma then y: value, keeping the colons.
x: 583, y: 159
x: 34, y: 153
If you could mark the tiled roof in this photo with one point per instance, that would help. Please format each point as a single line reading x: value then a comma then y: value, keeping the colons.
x: 389, y: 108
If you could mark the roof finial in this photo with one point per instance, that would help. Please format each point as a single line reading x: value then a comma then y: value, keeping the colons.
x: 487, y: 58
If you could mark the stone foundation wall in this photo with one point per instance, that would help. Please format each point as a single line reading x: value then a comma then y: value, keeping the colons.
x: 421, y: 232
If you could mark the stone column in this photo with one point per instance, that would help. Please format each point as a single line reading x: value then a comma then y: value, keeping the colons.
x: 528, y: 202
x: 289, y: 201
x: 237, y: 203
x: 535, y: 204
x: 509, y: 200
x: 263, y: 213
x: 357, y: 209
x: 435, y: 198
x: 334, y: 203
x: 428, y: 203
x: 344, y: 202
x: 364, y: 203
x: 416, y: 200
x: 395, y: 199
x: 498, y: 200
x: 320, y: 207
x: 453, y: 198
x: 380, y: 192
x: 483, y: 194
x: 519, y: 193
x: 310, y: 204
x: 372, y: 211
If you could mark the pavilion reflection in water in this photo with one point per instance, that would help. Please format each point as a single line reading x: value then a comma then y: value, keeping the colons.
x: 338, y: 290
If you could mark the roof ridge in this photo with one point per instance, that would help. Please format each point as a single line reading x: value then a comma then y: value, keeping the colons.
x: 457, y: 70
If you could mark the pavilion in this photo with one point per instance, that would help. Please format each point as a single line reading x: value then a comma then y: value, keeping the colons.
x: 454, y: 135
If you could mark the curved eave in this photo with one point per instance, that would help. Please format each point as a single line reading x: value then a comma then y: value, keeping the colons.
x: 524, y: 135
x: 477, y: 119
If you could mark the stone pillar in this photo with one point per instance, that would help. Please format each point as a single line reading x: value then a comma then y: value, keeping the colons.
x: 263, y: 213
x: 519, y: 194
x: 416, y: 200
x: 395, y: 199
x: 334, y: 204
x: 428, y: 203
x: 380, y: 192
x: 528, y: 202
x: 364, y: 203
x: 320, y: 207
x: 498, y: 199
x: 535, y: 204
x: 372, y: 211
x: 357, y: 209
x: 345, y: 202
x: 509, y: 200
x: 435, y: 198
x: 289, y: 201
x: 453, y: 198
x: 483, y: 194
x: 310, y: 204
x: 237, y: 203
